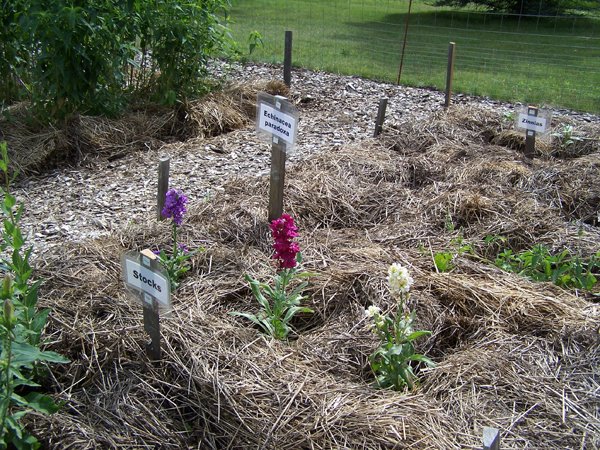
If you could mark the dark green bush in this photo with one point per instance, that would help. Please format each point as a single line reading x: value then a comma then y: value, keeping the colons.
x: 90, y: 56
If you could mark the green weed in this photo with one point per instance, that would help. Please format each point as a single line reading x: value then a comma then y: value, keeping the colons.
x: 562, y: 269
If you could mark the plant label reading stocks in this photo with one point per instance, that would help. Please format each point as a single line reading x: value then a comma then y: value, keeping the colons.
x: 277, y: 118
x: 140, y: 279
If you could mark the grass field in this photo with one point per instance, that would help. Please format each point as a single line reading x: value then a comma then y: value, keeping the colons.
x: 543, y: 60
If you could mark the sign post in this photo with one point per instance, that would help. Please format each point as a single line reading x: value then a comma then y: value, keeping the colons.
x: 149, y: 282
x: 533, y: 121
x: 287, y: 59
x: 277, y: 118
x: 380, y: 116
x: 163, y: 184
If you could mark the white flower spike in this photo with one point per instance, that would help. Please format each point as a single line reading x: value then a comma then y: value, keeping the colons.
x: 399, y: 279
x: 372, y: 311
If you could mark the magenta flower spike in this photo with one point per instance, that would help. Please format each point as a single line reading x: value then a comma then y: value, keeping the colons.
x: 284, y: 231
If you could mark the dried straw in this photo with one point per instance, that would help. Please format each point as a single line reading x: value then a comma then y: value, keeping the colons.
x: 510, y: 353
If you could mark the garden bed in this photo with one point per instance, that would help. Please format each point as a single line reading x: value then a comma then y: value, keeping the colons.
x: 510, y: 353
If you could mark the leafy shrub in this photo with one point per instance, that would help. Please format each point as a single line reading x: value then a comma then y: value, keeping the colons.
x: 73, y: 56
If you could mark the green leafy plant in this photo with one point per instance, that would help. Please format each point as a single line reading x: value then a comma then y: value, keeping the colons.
x: 255, y: 41
x: 91, y: 57
x: 278, y: 306
x: 21, y: 325
x: 561, y: 268
x: 391, y: 361
x: 566, y: 136
x: 444, y: 260
x: 177, y: 262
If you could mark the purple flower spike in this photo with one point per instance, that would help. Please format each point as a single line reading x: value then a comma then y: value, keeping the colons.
x: 174, y: 206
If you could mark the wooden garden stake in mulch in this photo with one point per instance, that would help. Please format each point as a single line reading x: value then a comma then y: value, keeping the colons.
x: 380, y: 117
x: 163, y: 184
x: 277, y: 179
x: 277, y: 118
x: 530, y: 134
x: 287, y: 59
x: 150, y: 304
x: 536, y: 123
x: 148, y: 281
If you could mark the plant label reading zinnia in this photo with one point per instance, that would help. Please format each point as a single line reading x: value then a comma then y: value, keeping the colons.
x: 538, y: 123
x: 146, y: 278
x: 277, y: 118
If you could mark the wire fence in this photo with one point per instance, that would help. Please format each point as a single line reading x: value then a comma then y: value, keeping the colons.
x: 536, y: 58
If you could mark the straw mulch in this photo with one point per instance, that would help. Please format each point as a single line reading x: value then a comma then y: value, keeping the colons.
x: 512, y: 354
x: 33, y: 148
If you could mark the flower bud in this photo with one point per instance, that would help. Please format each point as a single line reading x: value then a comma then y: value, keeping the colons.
x: 6, y: 288
x: 9, y: 310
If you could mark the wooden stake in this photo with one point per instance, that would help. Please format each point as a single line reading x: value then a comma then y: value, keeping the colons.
x: 150, y: 304
x: 380, y: 116
x: 530, y: 135
x: 278, y: 156
x: 163, y: 184
x: 287, y: 59
x: 277, y: 179
x: 491, y: 439
x: 449, y: 74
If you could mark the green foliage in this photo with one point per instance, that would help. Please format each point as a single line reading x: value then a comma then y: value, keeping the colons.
x: 176, y: 41
x: 545, y: 7
x: 255, y: 40
x: 86, y: 57
x: 566, y: 136
x: 13, y: 52
x: 391, y: 362
x: 278, y: 307
x: 443, y: 260
x: 177, y: 263
x: 562, y: 268
x: 77, y: 56
x: 21, y: 325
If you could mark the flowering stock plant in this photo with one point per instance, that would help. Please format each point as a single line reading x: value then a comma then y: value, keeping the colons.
x: 278, y: 305
x: 176, y: 263
x: 391, y: 362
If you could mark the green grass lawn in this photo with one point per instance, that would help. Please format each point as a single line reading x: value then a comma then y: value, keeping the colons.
x: 546, y: 60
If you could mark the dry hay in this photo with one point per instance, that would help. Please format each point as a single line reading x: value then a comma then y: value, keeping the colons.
x: 32, y: 149
x: 510, y: 353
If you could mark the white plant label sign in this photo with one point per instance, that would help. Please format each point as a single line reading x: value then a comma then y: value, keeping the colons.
x: 540, y: 123
x: 141, y: 279
x: 277, y: 118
